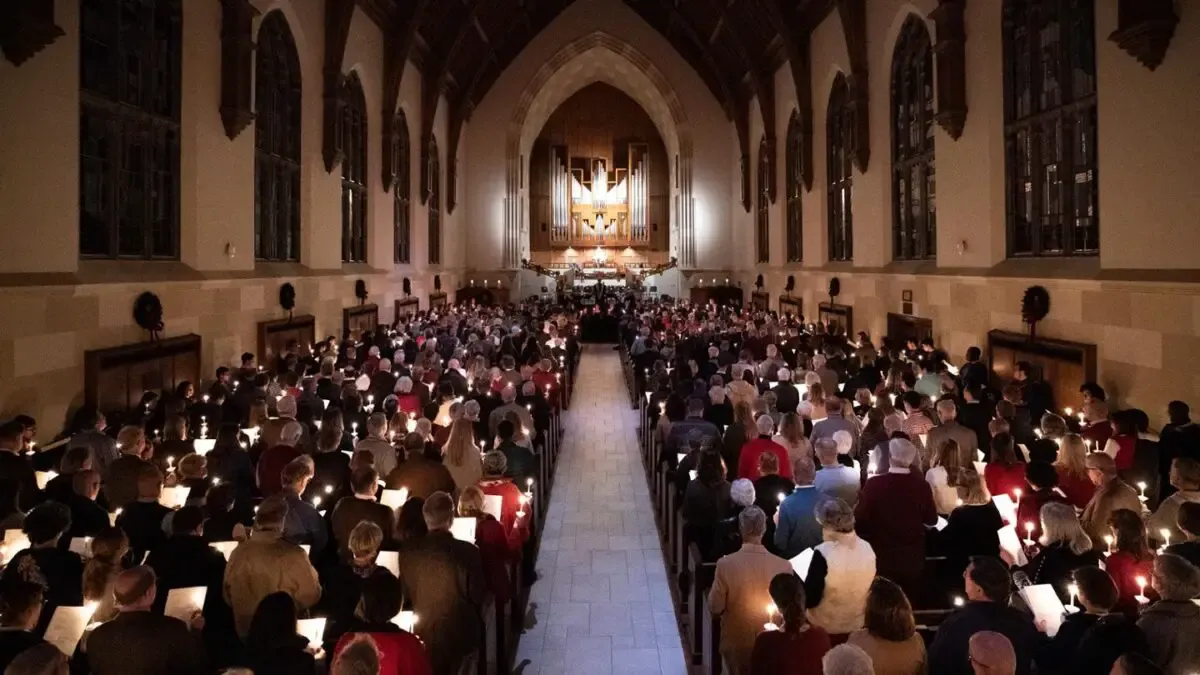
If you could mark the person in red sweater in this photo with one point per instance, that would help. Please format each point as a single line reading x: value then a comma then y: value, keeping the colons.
x: 272, y: 460
x: 513, y: 499
x: 752, y: 450
x: 1003, y: 473
x: 795, y: 646
x: 894, y: 509
x: 1071, y: 466
x: 399, y: 650
x: 1131, y: 558
x: 497, y: 548
x: 1041, y: 479
x: 1123, y: 442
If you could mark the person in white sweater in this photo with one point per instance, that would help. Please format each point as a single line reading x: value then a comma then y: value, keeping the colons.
x: 839, y: 577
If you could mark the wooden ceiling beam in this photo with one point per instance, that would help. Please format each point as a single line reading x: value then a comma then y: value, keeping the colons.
x: 398, y: 46
x: 436, y: 75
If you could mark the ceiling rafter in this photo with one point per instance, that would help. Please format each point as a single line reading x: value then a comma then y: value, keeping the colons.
x: 398, y: 46
x: 436, y: 76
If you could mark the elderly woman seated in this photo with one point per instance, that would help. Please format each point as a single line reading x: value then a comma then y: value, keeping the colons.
x: 1172, y: 624
x: 840, y: 574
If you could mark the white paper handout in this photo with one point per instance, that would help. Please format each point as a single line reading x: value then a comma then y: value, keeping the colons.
x: 67, y: 625
x: 203, y: 446
x: 1007, y: 508
x: 393, y: 499
x: 307, y: 548
x: 1010, y: 542
x: 15, y: 541
x: 692, y: 474
x: 679, y: 457
x: 1046, y: 606
x: 174, y: 497
x: 406, y: 620
x: 81, y: 546
x: 225, y: 547
x: 184, y: 603
x: 493, y: 504
x: 802, y: 562
x: 463, y: 529
x: 313, y: 629
x: 941, y: 524
x: 44, y: 478
x: 389, y: 560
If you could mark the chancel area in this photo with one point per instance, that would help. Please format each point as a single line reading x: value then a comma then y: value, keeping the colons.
x: 347, y: 274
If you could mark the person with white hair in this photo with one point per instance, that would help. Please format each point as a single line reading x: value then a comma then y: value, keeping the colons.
x: 894, y: 509
x: 951, y: 430
x: 1172, y: 624
x: 840, y: 573
x: 286, y: 407
x: 275, y: 457
x: 740, y: 591
x: 846, y: 659
x: 835, y: 479
x: 796, y: 526
x: 508, y: 395
x: 787, y: 396
x: 378, y: 444
x: 753, y: 449
x: 406, y: 400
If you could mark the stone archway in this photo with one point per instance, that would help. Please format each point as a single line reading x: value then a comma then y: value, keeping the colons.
x: 597, y: 57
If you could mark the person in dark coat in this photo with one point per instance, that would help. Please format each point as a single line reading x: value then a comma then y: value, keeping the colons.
x: 360, y: 506
x: 988, y: 585
x: 272, y: 646
x: 422, y: 472
x: 521, y: 462
x: 345, y: 584
x: 787, y: 397
x: 22, y: 603
x: 15, y: 470
x: 444, y: 579
x: 58, y: 571
x: 60, y: 488
x: 87, y: 517
x: 143, y: 519
x: 120, y: 478
x: 1090, y: 641
x: 399, y: 650
x: 142, y: 641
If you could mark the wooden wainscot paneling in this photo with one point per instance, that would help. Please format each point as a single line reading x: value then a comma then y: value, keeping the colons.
x: 722, y: 295
x: 437, y: 300
x: 115, y: 378
x: 903, y: 327
x: 487, y: 296
x: 1064, y: 365
x: 791, y: 306
x: 838, y: 319
x: 406, y: 308
x: 359, y: 320
x: 761, y: 302
x: 274, y: 336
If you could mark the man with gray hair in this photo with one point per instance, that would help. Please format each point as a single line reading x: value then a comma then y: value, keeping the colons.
x: 509, y: 396
x: 739, y: 592
x: 304, y: 523
x: 834, y: 422
x: 444, y: 579
x: 950, y: 429
x: 277, y: 456
x: 787, y: 397
x: 748, y: 458
x: 1172, y: 624
x: 847, y: 659
x: 378, y: 445
x: 894, y: 509
x: 835, y: 479
x: 796, y: 526
x: 272, y: 429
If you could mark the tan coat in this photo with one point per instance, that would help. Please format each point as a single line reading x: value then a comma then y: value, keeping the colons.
x: 1111, y: 496
x: 739, y: 596
x: 262, y: 565
x: 968, y: 443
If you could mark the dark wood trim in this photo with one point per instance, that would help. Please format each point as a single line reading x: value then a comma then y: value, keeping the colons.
x: 1145, y: 28
x: 826, y: 310
x: 268, y: 328
x: 237, y: 65
x: 488, y: 296
x: 338, y: 14
x: 26, y: 28
x: 951, y: 66
x: 438, y: 300
x: 921, y: 327
x: 99, y: 364
x: 351, y: 314
x: 794, y: 305
x: 760, y: 301
x: 406, y: 307
x: 1081, y: 353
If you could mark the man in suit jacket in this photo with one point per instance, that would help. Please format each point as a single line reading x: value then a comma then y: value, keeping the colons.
x: 787, y: 397
x: 422, y: 473
x: 951, y: 430
x: 139, y: 640
x: 444, y: 579
x: 739, y: 591
x: 361, y: 506
x: 975, y: 415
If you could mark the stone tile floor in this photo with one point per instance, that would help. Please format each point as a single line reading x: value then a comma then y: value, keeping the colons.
x: 603, y: 604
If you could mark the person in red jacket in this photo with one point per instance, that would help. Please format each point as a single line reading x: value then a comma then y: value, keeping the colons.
x: 515, y: 508
x: 1123, y: 442
x: 894, y: 509
x: 1004, y: 473
x: 752, y: 450
x: 272, y: 460
x: 399, y: 650
x: 498, y: 548
x: 1131, y: 558
x: 1041, y: 479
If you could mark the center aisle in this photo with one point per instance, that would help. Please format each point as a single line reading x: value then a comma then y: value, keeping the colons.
x: 603, y: 603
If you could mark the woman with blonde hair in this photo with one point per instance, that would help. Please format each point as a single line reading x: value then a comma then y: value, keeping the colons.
x: 816, y: 398
x: 972, y: 524
x: 791, y: 436
x: 944, y: 476
x: 1071, y: 466
x: 100, y: 572
x: 461, y: 455
x: 1063, y: 547
x: 496, y: 548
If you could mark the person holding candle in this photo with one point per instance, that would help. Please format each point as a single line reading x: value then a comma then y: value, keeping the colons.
x: 1071, y: 466
x: 1041, y: 480
x: 988, y: 586
x: 1121, y: 444
x: 22, y: 602
x: 1172, y: 624
x: 971, y: 526
x: 273, y: 647
x: 275, y: 457
x: 1004, y: 473
x: 349, y: 512
x: 1062, y: 548
x: 1185, y: 478
x: 796, y: 646
x: 399, y: 651
x: 304, y: 524
x: 1131, y: 558
x: 749, y: 454
x: 1188, y: 522
x: 377, y: 444
x: 1091, y: 640
x: 345, y: 583
x: 944, y: 474
x: 144, y: 519
x: 1112, y: 493
x: 889, y: 634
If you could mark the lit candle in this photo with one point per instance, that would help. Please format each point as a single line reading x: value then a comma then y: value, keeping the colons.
x: 781, y: 497
x: 1141, y: 596
x: 958, y: 502
x: 1166, y: 536
x: 958, y: 601
x: 328, y: 489
x: 216, y: 480
x: 1028, y: 533
x: 1073, y: 589
x: 1081, y: 418
x: 1068, y: 411
x: 316, y: 501
x: 1108, y: 539
x: 1142, y: 486
x: 1038, y: 433
x: 1017, y: 494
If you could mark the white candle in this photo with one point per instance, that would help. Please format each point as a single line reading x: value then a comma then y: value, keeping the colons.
x: 1073, y: 589
x: 1141, y: 596
x: 958, y: 601
x: 1028, y: 533
x: 316, y: 501
x: 1017, y: 494
x: 1142, y: 486
x: 1108, y: 539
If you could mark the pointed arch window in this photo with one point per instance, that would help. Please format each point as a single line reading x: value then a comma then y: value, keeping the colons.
x: 795, y: 190
x: 354, y: 172
x: 1050, y: 128
x: 130, y: 80
x: 839, y: 125
x: 763, y: 218
x: 914, y: 217
x: 402, y: 189
x: 435, y: 204
x: 277, y: 143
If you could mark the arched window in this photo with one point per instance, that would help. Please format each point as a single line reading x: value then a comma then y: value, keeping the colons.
x: 1050, y: 127
x: 839, y: 124
x: 763, y: 224
x: 401, y: 188
x: 914, y: 218
x: 795, y: 190
x: 354, y: 172
x: 130, y: 63
x: 435, y: 204
x: 276, y: 143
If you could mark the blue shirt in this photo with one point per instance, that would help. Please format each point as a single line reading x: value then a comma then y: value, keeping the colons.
x: 304, y: 525
x: 798, y: 528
